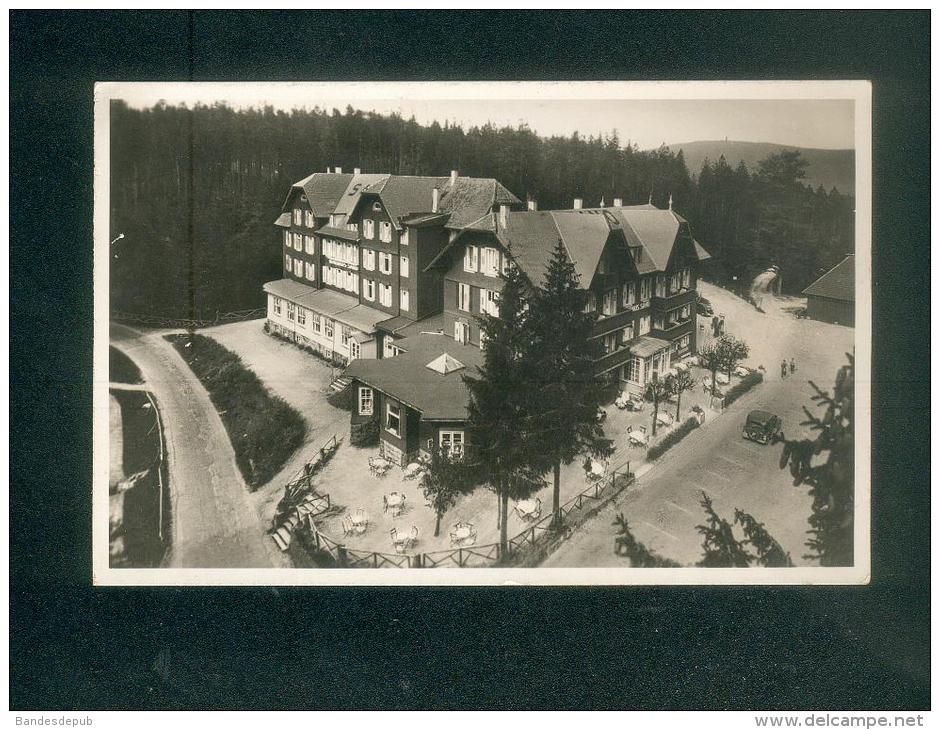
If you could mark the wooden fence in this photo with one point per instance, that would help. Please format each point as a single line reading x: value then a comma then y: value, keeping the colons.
x: 535, y: 535
x: 170, y: 323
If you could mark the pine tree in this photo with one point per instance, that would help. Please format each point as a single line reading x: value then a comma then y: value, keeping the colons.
x: 770, y: 553
x: 721, y: 549
x: 569, y: 395
x: 832, y: 482
x: 640, y: 556
x: 506, y: 449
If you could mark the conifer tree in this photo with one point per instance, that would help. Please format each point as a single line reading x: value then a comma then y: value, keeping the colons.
x: 832, y: 482
x: 562, y: 363
x: 720, y: 547
x: 506, y: 451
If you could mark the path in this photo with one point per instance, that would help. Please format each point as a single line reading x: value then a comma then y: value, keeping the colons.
x: 214, y: 523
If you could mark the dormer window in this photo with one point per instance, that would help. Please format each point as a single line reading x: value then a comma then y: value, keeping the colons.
x: 376, y: 206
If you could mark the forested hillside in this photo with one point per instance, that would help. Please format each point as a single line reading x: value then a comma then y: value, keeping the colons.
x: 829, y: 168
x: 196, y: 191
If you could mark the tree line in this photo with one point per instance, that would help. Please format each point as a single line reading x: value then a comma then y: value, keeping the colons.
x: 195, y: 192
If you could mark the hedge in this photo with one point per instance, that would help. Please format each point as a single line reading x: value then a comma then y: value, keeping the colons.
x: 263, y: 429
x: 672, y: 438
x: 364, y: 434
x: 344, y: 399
x: 739, y: 389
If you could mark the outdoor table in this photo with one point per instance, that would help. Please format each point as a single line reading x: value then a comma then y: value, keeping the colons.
x: 680, y: 367
x: 638, y: 438
x: 464, y: 532
x: 741, y: 371
x: 721, y: 379
x: 664, y: 419
x: 598, y: 469
x: 526, y: 507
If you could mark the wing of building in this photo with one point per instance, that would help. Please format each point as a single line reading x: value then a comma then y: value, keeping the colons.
x: 831, y: 298
x: 387, y: 273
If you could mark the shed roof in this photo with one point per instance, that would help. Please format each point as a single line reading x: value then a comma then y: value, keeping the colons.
x: 406, y: 377
x: 837, y: 283
x: 344, y: 308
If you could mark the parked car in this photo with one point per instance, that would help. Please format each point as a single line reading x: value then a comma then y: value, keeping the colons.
x: 762, y: 427
x: 704, y: 307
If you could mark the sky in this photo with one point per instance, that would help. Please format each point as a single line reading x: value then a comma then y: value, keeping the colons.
x: 821, y: 122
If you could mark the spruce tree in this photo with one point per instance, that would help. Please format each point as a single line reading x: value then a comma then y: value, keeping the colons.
x: 721, y: 549
x: 569, y: 396
x: 505, y: 449
x: 832, y: 482
x: 770, y: 553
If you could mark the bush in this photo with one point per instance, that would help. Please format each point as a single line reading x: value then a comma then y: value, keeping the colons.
x: 739, y: 389
x: 264, y: 430
x: 672, y: 438
x: 364, y: 434
x: 344, y: 399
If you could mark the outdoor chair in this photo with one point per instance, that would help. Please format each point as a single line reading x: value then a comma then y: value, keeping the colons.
x: 347, y: 526
x: 394, y: 534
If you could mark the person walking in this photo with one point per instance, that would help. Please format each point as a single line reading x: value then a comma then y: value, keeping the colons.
x: 783, y: 368
x: 792, y: 366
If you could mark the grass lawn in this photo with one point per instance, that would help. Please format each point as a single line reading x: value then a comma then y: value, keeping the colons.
x: 121, y: 369
x: 264, y: 430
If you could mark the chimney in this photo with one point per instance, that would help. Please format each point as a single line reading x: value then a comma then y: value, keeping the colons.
x: 577, y: 203
x: 532, y: 205
x: 435, y: 200
x: 357, y: 170
x: 618, y: 202
x: 339, y: 170
x: 453, y: 177
x: 503, y: 215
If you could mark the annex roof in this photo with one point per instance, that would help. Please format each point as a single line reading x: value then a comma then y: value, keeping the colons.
x: 837, y: 283
x: 344, y: 308
x: 439, y: 396
x: 644, y: 345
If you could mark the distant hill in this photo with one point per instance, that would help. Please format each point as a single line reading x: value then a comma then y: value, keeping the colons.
x: 831, y: 168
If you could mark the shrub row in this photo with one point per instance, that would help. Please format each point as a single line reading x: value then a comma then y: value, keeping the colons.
x: 672, y: 438
x: 344, y: 399
x: 364, y: 434
x: 264, y: 430
x: 742, y: 387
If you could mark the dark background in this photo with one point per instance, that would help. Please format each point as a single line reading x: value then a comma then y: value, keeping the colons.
x: 77, y: 647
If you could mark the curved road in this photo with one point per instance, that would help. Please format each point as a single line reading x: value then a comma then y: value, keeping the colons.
x: 213, y: 522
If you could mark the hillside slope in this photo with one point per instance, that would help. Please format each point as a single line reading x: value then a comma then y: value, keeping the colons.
x: 831, y: 168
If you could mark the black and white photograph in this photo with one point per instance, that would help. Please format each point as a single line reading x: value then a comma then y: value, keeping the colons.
x: 573, y: 332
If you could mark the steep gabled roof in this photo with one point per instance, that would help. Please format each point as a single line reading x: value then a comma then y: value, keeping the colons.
x: 357, y: 185
x: 837, y: 283
x: 324, y: 190
x: 472, y: 197
x: 585, y: 234
x: 403, y: 195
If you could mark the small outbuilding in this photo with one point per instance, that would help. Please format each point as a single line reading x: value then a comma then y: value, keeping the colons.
x: 831, y: 298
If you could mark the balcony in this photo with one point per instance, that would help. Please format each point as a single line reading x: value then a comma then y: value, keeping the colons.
x: 612, y: 359
x: 607, y: 323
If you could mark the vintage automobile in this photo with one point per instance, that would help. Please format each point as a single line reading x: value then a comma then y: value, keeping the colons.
x: 704, y: 307
x: 761, y: 426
